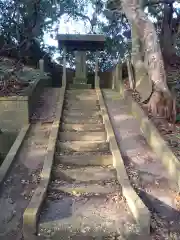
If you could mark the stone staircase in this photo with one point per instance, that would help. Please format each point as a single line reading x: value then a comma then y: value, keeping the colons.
x: 84, y: 199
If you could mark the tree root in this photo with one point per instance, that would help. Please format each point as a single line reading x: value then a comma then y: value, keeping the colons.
x: 163, y: 105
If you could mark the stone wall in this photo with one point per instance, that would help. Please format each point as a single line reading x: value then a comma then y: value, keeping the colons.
x: 6, y: 141
x: 15, y: 111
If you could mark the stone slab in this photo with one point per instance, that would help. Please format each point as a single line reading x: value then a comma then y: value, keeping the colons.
x: 156, y: 142
x: 82, y: 136
x: 82, y: 146
x: 85, y: 113
x: 85, y: 159
x: 137, y: 207
x: 13, y: 153
x: 81, y: 119
x: 81, y: 102
x: 31, y: 214
x: 81, y: 127
x: 95, y: 217
x: 83, y: 188
x: 80, y: 92
x: 86, y: 174
x: 20, y: 107
x: 80, y: 86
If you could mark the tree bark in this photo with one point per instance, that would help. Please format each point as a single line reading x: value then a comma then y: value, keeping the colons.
x: 136, y: 54
x: 161, y: 99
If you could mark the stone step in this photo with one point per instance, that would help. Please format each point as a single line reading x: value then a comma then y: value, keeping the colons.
x: 81, y: 115
x: 85, y: 112
x: 80, y: 86
x: 93, y: 217
x: 82, y: 119
x: 83, y: 174
x: 81, y: 104
x: 85, y: 159
x: 79, y: 92
x: 82, y: 136
x: 81, y: 107
x: 59, y: 186
x: 82, y: 146
x: 81, y: 97
x: 81, y: 127
x: 81, y: 101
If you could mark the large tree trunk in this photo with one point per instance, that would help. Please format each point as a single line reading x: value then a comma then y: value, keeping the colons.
x: 136, y: 54
x: 161, y: 101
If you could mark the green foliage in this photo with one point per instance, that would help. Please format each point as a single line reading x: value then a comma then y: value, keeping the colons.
x: 24, y: 20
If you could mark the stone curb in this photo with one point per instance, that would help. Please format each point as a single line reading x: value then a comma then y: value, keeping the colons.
x: 31, y: 214
x: 137, y: 207
x: 9, y: 159
x: 156, y: 142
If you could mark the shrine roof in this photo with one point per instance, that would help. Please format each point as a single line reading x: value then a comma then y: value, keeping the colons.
x: 75, y: 42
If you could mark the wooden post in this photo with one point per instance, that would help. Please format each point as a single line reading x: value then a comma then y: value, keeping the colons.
x: 41, y: 65
x: 64, y: 68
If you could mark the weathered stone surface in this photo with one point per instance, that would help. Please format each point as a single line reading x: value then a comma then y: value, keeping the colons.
x: 80, y: 72
x: 85, y: 159
x: 82, y: 146
x: 81, y: 119
x: 82, y: 136
x: 84, y: 174
x: 84, y: 113
x: 81, y: 127
x: 79, y: 92
x: 77, y: 85
x: 83, y: 188
x: 15, y: 111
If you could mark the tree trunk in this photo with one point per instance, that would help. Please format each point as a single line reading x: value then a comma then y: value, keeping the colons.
x: 136, y: 54
x: 161, y: 101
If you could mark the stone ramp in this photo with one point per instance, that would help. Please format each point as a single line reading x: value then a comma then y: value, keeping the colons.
x: 23, y: 174
x: 146, y: 172
x: 84, y: 199
x: 21, y: 181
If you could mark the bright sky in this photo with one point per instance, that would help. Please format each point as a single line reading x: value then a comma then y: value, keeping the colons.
x: 67, y: 27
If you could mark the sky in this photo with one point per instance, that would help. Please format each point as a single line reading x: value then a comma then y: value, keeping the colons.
x: 68, y: 26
